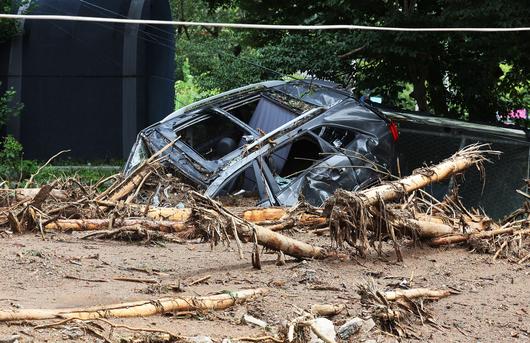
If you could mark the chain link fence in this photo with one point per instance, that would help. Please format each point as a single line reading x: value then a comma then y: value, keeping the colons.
x: 426, y: 139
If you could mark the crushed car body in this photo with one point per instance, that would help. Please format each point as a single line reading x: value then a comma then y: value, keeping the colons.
x: 277, y: 140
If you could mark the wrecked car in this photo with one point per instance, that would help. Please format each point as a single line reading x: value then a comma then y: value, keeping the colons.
x: 278, y: 141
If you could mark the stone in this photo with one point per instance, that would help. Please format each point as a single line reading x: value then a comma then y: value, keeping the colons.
x: 350, y: 328
x: 324, y: 326
x: 200, y: 339
x: 368, y: 325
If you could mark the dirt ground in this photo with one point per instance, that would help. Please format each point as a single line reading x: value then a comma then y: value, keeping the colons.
x: 493, y: 306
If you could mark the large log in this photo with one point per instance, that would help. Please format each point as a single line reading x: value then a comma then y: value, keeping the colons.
x: 255, y: 215
x: 26, y: 194
x: 289, y: 246
x: 210, y: 214
x: 137, y: 308
x: 460, y: 161
x: 453, y: 239
x: 103, y: 224
x: 426, y: 228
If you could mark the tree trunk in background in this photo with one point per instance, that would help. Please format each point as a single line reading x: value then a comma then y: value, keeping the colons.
x: 417, y: 76
x: 437, y: 91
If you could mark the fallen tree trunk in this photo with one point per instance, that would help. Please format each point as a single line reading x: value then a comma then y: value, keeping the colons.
x: 137, y: 308
x: 264, y: 214
x: 216, y: 220
x: 357, y: 217
x: 103, y: 224
x: 169, y: 213
x: 251, y: 215
x: 26, y: 194
x: 416, y: 293
x: 289, y: 246
x: 477, y: 235
x: 426, y: 229
x: 123, y: 188
x: 460, y: 161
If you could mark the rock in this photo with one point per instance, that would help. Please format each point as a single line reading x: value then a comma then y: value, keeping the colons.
x: 9, y: 339
x: 248, y: 319
x: 350, y: 328
x: 200, y: 339
x: 325, y: 327
x: 355, y: 325
x: 370, y: 341
x: 368, y: 325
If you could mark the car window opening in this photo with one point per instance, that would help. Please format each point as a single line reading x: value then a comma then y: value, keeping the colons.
x: 290, y: 160
x: 213, y: 137
x: 267, y: 111
x: 338, y: 137
x: 243, y: 110
x: 243, y: 182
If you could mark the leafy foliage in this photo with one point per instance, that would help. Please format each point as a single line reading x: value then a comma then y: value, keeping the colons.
x: 452, y: 74
x: 9, y: 28
x: 218, y: 58
x: 187, y: 91
x: 12, y: 166
x: 8, y: 108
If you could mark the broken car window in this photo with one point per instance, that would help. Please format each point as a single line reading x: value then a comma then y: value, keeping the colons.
x: 248, y: 182
x: 244, y: 108
x: 290, y: 160
x: 213, y: 137
x: 336, y: 136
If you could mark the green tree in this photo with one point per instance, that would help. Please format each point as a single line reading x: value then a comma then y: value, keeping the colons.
x: 452, y: 74
x: 9, y: 28
x: 187, y: 91
x: 218, y: 58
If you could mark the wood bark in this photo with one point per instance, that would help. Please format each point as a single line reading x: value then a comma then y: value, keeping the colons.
x: 26, y: 194
x: 416, y: 293
x: 426, y: 229
x: 137, y: 308
x: 289, y: 246
x: 123, y: 188
x: 103, y: 224
x: 460, y: 161
x: 251, y: 215
x: 264, y: 214
x: 421, y: 178
x: 169, y: 213
x: 478, y: 235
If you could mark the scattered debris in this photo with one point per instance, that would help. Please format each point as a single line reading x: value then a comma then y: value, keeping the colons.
x: 396, y: 310
x: 248, y: 319
x: 142, y: 207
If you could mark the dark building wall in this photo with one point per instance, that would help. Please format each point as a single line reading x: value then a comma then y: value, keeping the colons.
x: 90, y: 87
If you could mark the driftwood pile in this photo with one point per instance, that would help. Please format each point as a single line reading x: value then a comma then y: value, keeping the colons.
x: 152, y: 206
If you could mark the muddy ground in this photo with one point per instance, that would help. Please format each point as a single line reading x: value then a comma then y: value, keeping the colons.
x: 493, y: 306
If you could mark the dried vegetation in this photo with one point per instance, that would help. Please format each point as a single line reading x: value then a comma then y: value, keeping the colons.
x: 151, y: 206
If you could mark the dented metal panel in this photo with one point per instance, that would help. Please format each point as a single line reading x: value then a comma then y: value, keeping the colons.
x: 332, y: 142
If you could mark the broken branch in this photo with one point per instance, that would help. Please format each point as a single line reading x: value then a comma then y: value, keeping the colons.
x: 137, y: 308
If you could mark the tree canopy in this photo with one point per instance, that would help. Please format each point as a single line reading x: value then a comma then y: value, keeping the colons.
x: 460, y: 75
